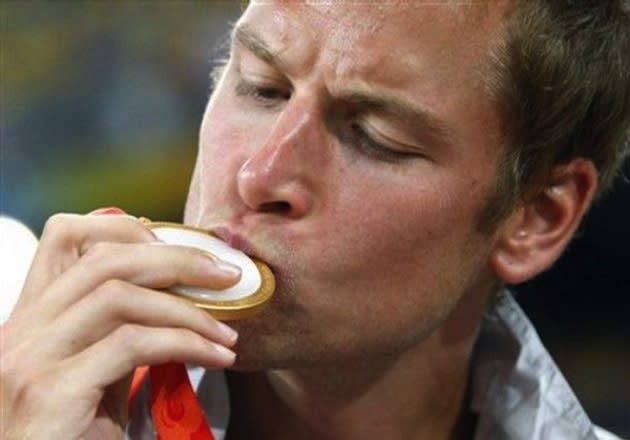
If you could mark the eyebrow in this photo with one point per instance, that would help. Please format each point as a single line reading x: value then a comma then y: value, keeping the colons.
x: 246, y: 36
x: 381, y: 101
x: 362, y: 95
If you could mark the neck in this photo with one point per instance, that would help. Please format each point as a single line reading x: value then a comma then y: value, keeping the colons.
x: 420, y: 393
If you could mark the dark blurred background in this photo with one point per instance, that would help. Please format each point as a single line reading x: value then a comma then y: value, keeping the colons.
x: 100, y: 104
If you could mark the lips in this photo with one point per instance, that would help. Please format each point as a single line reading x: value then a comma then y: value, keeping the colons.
x: 278, y: 266
x: 236, y: 241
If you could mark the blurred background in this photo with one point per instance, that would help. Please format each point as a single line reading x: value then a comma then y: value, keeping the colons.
x: 100, y: 104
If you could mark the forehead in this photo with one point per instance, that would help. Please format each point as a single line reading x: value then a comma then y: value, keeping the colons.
x: 364, y: 31
x: 434, y: 53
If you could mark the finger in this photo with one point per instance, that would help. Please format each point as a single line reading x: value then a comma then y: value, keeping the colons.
x: 115, y: 357
x: 117, y: 302
x: 83, y: 379
x: 68, y: 236
x: 156, y: 265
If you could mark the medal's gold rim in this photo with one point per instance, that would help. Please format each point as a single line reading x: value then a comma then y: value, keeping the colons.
x: 229, y: 309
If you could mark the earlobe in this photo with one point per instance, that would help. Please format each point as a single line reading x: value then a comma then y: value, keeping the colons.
x: 539, y: 229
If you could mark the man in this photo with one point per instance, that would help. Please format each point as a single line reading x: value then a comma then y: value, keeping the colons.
x: 396, y: 164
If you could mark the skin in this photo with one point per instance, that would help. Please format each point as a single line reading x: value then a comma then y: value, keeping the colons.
x: 374, y: 253
x: 365, y: 211
x: 383, y: 274
x: 92, y: 292
x: 293, y: 178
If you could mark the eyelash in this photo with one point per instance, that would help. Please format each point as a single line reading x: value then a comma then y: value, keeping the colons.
x: 362, y: 140
x: 268, y: 96
x: 356, y: 136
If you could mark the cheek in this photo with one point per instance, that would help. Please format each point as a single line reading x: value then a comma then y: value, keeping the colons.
x: 389, y: 274
x: 220, y: 134
x: 224, y: 138
x: 390, y: 223
x: 220, y: 155
x: 400, y: 247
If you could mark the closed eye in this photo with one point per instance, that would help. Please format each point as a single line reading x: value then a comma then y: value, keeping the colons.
x: 266, y: 95
x: 360, y: 139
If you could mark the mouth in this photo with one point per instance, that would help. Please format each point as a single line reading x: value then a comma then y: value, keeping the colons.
x: 237, y: 241
x: 240, y: 242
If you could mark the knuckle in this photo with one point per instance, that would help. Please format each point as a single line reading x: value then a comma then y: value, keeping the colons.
x: 59, y: 227
x: 107, y: 261
x: 98, y: 252
x: 113, y: 288
x: 128, y: 337
x: 134, y: 343
x: 109, y: 296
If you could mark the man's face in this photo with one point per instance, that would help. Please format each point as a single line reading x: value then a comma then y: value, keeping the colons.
x: 352, y: 146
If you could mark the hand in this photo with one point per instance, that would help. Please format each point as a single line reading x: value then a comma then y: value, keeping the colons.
x: 91, y: 311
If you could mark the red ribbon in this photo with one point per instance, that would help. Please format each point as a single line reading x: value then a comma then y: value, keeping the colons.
x: 176, y: 412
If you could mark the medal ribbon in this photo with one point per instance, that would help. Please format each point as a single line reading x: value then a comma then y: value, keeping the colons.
x: 175, y: 409
x: 176, y: 412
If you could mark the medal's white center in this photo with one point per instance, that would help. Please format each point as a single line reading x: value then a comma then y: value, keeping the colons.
x: 250, y: 278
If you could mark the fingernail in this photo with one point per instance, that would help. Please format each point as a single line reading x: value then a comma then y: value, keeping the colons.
x: 225, y: 353
x: 228, y: 268
x: 230, y: 334
x: 107, y: 210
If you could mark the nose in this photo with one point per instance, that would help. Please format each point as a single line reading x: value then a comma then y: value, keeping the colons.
x: 279, y: 176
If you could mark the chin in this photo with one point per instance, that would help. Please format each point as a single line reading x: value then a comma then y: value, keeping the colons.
x: 260, y: 343
x: 260, y: 347
x: 250, y: 359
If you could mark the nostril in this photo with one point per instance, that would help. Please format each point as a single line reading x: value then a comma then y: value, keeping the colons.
x: 275, y: 207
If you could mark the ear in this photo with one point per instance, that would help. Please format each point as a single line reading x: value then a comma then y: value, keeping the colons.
x: 539, y: 229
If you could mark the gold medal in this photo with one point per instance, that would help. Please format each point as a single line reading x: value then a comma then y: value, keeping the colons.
x: 242, y: 300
